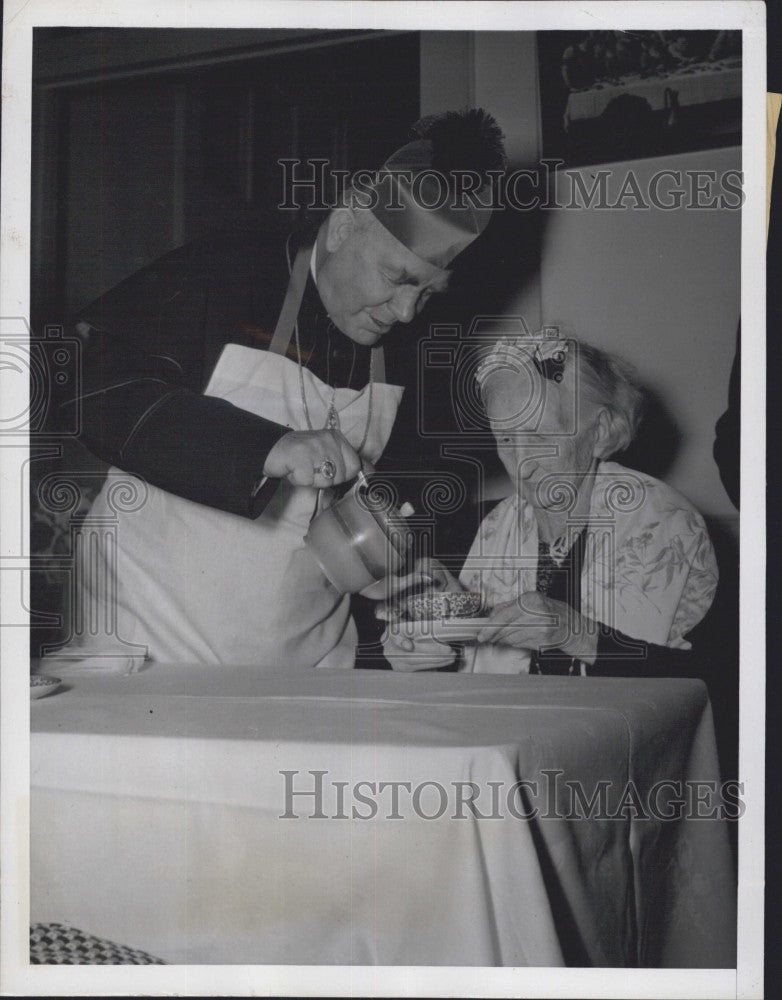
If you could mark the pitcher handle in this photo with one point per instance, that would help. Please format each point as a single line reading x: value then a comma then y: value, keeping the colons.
x: 360, y: 480
x: 317, y: 508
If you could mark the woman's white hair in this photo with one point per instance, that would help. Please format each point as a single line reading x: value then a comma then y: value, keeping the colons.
x: 611, y: 383
x: 602, y: 381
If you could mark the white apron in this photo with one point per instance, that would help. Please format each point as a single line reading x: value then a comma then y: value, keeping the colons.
x: 198, y: 585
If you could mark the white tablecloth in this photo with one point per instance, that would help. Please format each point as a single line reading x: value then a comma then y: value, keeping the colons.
x: 156, y: 805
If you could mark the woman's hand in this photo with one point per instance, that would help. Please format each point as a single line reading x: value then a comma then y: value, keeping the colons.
x: 535, y: 621
x: 403, y: 645
x: 407, y: 650
x: 427, y: 574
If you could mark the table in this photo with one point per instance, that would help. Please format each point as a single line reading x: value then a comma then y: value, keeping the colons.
x: 157, y: 800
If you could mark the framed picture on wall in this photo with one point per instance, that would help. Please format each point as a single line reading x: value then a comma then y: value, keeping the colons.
x: 621, y: 95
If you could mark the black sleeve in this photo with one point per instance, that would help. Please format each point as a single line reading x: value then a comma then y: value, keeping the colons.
x: 727, y: 439
x: 149, y: 345
x: 620, y: 656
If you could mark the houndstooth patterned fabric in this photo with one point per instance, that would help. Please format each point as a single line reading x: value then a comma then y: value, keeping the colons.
x: 56, y: 944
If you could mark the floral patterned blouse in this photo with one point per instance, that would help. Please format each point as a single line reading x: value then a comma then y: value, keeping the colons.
x: 648, y: 571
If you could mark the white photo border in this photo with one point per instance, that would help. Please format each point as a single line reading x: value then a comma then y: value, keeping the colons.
x: 16, y: 976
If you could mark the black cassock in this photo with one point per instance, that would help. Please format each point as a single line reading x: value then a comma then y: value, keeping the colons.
x: 152, y: 343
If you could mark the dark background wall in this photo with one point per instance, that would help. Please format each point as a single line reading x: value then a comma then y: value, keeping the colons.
x: 144, y: 140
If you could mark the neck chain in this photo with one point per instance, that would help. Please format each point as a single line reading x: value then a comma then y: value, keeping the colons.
x: 332, y: 417
x: 559, y: 549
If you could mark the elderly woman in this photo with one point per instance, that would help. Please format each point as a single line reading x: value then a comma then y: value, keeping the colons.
x: 587, y: 567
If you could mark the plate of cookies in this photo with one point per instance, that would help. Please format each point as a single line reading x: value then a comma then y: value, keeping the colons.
x: 446, y: 616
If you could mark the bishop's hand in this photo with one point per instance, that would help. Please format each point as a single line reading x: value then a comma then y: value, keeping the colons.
x: 313, y: 458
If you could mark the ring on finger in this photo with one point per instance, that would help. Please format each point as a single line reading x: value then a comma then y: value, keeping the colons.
x: 327, y: 469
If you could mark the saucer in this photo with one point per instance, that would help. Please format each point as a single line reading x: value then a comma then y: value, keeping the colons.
x: 41, y: 685
x: 445, y: 630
